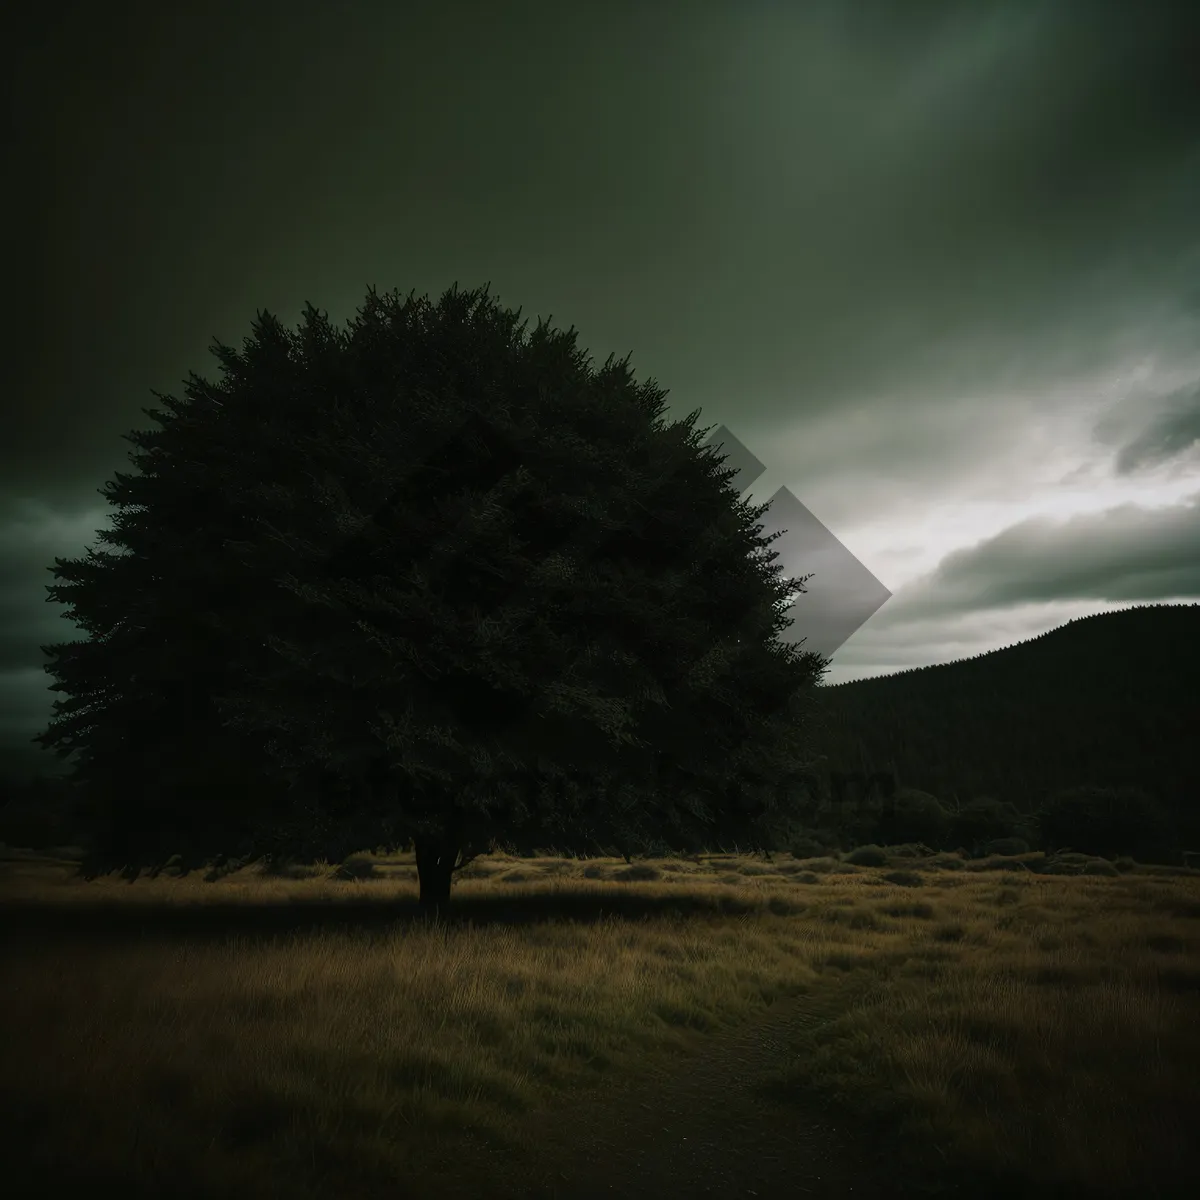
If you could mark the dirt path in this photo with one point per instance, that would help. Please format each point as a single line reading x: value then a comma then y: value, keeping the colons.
x: 697, y: 1127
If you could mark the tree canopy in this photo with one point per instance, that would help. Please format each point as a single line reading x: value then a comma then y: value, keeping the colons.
x: 433, y: 578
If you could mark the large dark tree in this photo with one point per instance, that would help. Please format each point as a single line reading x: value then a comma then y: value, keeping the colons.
x: 430, y: 578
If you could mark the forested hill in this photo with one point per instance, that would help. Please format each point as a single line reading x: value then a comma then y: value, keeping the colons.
x: 1111, y: 700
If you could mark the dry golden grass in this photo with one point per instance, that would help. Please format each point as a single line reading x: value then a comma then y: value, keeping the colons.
x: 305, y: 1037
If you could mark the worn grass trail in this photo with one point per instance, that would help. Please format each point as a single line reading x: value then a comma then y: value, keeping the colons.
x: 702, y: 1124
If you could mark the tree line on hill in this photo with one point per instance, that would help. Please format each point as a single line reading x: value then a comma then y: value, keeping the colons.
x: 1084, y: 736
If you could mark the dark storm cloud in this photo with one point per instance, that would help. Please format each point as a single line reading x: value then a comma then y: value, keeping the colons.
x: 31, y: 536
x: 1010, y: 205
x: 897, y: 248
x: 30, y: 539
x: 1127, y: 554
x: 781, y: 209
x: 1153, y: 433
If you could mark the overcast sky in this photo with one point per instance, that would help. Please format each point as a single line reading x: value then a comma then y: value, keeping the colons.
x: 937, y: 265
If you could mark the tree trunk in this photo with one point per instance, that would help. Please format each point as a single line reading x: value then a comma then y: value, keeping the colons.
x: 435, y: 865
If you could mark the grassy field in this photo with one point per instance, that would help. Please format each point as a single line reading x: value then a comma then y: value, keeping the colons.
x: 305, y: 1036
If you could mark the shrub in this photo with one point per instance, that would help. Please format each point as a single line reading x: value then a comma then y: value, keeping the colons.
x: 822, y: 865
x: 807, y: 847
x: 1056, y: 865
x: 905, y: 878
x: 946, y: 862
x: 995, y: 862
x: 985, y: 819
x: 915, y: 816
x: 867, y: 856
